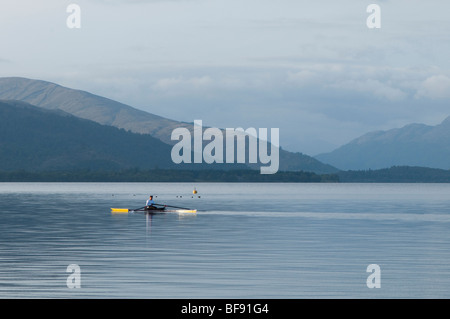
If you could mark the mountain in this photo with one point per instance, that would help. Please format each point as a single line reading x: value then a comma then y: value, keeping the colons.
x: 36, y: 139
x: 412, y: 145
x: 87, y: 106
x: 109, y: 112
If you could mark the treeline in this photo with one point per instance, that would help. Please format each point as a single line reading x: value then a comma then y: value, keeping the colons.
x: 396, y: 174
x: 165, y: 175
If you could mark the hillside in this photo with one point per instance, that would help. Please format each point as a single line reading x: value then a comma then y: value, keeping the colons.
x: 87, y: 106
x: 35, y: 139
x: 412, y: 145
x: 109, y: 112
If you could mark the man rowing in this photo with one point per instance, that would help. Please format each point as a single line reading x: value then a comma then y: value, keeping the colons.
x: 150, y: 203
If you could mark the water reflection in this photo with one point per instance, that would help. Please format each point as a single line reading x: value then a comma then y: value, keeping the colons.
x: 148, y: 218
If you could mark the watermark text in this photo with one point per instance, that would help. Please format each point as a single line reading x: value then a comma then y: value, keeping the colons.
x: 255, y: 151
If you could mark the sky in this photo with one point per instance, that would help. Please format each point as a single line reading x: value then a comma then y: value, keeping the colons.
x: 313, y: 69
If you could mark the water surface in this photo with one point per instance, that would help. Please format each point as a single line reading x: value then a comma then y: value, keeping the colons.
x: 246, y: 241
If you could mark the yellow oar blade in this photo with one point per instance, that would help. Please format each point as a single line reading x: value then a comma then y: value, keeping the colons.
x: 119, y: 210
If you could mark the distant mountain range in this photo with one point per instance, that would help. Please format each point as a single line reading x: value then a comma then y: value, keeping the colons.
x: 412, y: 145
x: 46, y: 126
x: 83, y: 105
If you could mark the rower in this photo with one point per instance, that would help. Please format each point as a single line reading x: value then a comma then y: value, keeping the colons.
x: 150, y: 202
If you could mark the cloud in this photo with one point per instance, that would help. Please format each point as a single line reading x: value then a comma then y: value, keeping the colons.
x: 435, y: 87
x: 346, y: 78
x: 303, y: 77
x: 373, y: 87
x: 183, y: 84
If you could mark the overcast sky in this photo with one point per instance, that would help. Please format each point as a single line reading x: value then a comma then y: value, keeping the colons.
x: 310, y: 68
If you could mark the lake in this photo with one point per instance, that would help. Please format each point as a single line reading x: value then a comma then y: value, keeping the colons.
x: 246, y: 240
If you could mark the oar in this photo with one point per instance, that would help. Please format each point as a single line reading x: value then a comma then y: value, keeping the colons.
x: 173, y: 206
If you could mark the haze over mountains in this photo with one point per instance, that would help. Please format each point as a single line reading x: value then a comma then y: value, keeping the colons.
x: 412, y: 145
x: 104, y: 111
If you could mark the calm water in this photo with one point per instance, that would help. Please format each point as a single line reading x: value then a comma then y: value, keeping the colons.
x: 246, y: 241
